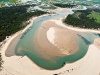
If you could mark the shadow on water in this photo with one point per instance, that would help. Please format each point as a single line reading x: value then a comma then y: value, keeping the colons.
x: 84, y: 39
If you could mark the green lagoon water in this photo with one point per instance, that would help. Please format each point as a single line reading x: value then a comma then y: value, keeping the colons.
x: 27, y: 46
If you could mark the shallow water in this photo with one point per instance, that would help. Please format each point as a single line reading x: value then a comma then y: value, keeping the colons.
x: 26, y: 47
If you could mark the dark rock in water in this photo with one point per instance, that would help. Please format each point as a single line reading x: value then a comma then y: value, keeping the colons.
x: 63, y: 64
x: 99, y: 34
x: 55, y: 74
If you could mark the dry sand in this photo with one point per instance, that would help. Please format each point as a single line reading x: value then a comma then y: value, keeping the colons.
x: 97, y: 42
x: 88, y: 65
x: 61, y: 10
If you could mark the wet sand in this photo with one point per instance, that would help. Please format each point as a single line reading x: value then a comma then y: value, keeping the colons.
x: 11, y: 47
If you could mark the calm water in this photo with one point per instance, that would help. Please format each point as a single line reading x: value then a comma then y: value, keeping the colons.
x: 26, y: 47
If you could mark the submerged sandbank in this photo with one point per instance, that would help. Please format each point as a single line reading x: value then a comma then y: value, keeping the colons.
x: 11, y: 47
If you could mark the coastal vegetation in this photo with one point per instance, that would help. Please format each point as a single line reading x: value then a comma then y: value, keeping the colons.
x: 13, y: 19
x: 64, y: 5
x: 89, y: 19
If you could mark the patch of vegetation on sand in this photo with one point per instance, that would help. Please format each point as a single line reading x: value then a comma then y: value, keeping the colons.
x: 95, y: 16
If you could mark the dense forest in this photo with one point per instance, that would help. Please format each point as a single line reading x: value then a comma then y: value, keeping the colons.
x: 64, y: 5
x: 12, y: 19
x: 80, y: 19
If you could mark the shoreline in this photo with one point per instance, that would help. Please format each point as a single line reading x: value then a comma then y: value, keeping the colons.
x: 74, y: 28
x: 31, y: 20
x: 76, y: 68
x: 17, y: 34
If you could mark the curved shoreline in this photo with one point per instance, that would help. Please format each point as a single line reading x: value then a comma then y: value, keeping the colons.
x: 68, y: 68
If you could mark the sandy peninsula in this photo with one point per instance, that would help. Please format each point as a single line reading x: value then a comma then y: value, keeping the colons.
x: 49, y: 31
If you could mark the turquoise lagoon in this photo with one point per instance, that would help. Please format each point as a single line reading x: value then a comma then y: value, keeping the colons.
x: 27, y: 46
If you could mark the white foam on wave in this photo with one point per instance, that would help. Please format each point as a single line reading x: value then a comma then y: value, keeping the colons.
x: 50, y: 35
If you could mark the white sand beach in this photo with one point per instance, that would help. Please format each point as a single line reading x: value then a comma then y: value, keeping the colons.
x: 17, y: 65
